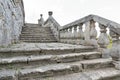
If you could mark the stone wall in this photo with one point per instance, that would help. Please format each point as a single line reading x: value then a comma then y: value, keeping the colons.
x: 11, y: 21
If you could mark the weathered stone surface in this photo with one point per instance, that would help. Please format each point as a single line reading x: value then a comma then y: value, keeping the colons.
x: 11, y: 20
x: 36, y: 33
x: 53, y: 24
x: 100, y: 74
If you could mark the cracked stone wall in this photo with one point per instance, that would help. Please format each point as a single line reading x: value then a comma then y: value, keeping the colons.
x: 12, y: 19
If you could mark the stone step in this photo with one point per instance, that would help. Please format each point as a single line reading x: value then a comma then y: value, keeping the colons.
x: 6, y: 53
x: 100, y: 74
x: 33, y: 34
x: 36, y: 29
x: 25, y: 61
x: 38, y: 32
x: 32, y: 31
x: 38, y: 38
x: 63, y: 68
x: 38, y: 41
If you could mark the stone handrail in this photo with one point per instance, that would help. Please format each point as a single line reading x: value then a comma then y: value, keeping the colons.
x: 52, y: 23
x: 73, y: 32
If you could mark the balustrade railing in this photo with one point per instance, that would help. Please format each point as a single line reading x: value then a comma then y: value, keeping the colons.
x: 73, y: 32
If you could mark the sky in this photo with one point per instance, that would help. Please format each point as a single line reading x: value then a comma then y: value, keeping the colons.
x: 66, y: 11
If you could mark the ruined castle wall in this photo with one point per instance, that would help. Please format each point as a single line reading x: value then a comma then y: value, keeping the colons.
x: 11, y: 20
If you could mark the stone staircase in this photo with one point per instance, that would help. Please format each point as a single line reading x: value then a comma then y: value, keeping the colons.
x: 35, y: 33
x: 66, y: 62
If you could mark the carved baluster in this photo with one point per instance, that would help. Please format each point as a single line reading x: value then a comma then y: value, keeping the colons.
x: 70, y: 35
x: 80, y: 34
x: 93, y: 34
x: 93, y: 31
x: 61, y: 35
x: 75, y: 34
x: 66, y: 35
x: 103, y: 40
x: 87, y: 33
x: 115, y: 49
x: 65, y: 32
x: 75, y: 31
x: 115, y: 38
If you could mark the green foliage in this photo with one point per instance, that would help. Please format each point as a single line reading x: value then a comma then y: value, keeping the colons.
x: 110, y: 44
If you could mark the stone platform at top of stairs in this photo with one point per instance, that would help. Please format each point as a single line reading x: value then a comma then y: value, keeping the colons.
x: 48, y: 46
x: 42, y: 48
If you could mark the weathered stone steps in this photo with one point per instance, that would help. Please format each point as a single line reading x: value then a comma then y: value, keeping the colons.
x: 34, y: 38
x: 64, y: 68
x: 99, y: 74
x: 58, y: 69
x: 33, y: 35
x: 38, y: 51
x: 38, y: 41
x: 37, y: 34
x: 21, y: 61
x: 38, y: 37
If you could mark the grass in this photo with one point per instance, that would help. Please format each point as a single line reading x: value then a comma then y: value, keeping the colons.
x: 110, y: 45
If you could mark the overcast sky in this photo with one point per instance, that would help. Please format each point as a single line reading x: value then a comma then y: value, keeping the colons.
x: 66, y: 11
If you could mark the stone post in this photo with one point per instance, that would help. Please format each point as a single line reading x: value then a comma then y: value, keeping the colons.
x: 41, y: 21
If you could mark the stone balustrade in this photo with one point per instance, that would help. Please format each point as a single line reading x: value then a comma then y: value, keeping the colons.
x: 73, y: 32
x: 53, y: 24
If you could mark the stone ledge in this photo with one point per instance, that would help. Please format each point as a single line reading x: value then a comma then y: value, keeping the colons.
x: 51, y: 58
x: 100, y: 74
